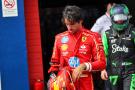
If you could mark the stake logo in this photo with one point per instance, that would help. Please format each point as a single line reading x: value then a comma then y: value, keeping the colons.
x: 116, y: 48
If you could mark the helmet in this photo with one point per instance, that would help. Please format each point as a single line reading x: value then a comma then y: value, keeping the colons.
x: 62, y: 81
x: 120, y: 16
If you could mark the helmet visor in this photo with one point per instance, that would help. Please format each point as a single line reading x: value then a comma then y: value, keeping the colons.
x: 120, y: 18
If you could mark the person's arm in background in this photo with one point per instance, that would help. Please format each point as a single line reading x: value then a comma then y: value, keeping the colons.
x: 97, y: 27
x: 104, y: 74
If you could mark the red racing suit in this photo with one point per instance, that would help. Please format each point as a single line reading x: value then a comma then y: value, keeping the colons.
x: 70, y: 50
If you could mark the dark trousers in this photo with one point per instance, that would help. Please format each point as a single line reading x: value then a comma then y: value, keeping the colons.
x: 98, y: 82
x: 125, y: 82
x: 107, y: 85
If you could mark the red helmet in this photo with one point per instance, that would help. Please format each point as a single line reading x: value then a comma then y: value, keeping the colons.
x: 62, y: 81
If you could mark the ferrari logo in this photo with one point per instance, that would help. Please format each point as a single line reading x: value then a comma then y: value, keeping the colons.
x: 84, y: 39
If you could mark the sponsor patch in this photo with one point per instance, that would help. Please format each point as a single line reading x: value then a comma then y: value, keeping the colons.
x: 74, y: 62
x: 64, y: 39
x: 65, y: 53
x: 83, y: 49
x: 117, y: 48
x: 64, y: 47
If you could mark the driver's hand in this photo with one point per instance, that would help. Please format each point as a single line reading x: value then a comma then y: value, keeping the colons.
x: 78, y: 71
x: 104, y: 74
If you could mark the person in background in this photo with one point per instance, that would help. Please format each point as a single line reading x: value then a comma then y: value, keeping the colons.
x: 119, y: 45
x: 78, y: 50
x: 103, y: 23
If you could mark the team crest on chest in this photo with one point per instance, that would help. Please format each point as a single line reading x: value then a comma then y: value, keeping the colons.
x: 84, y: 38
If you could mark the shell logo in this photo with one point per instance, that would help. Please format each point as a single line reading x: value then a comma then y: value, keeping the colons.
x: 64, y: 47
